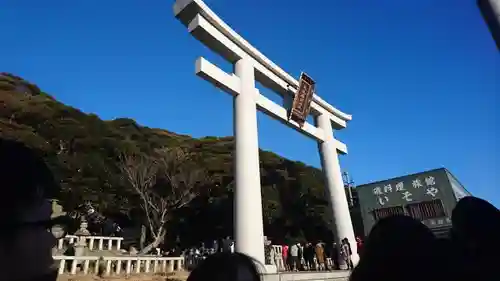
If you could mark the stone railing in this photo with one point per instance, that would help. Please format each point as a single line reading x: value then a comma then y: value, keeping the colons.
x: 93, y: 265
x: 94, y: 242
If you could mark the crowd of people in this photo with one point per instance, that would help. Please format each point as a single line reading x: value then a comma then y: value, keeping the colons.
x: 194, y: 255
x: 304, y: 256
x: 400, y: 248
x: 307, y: 256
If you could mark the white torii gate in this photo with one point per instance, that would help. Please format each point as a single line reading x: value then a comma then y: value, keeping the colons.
x: 249, y: 66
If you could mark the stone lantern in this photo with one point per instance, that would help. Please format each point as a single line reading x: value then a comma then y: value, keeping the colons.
x: 81, y: 242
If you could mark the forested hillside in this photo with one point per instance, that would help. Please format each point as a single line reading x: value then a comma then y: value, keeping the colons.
x: 86, y: 155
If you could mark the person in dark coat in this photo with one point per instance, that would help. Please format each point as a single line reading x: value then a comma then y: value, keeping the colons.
x: 335, y: 256
x: 309, y: 256
x: 226, y: 244
x: 29, y: 230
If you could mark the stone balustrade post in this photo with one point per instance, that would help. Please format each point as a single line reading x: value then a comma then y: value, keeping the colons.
x: 138, y: 266
x: 91, y: 243
x: 96, y: 267
x: 62, y: 265
x: 118, y: 266
x: 86, y: 265
x: 155, y: 266
x: 108, y: 267
x: 128, y: 267
x: 180, y: 264
x: 74, y: 263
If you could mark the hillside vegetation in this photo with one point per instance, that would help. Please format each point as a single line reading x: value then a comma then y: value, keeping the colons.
x: 84, y: 154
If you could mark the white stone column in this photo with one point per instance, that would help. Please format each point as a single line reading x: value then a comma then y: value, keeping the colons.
x: 335, y: 188
x: 249, y: 233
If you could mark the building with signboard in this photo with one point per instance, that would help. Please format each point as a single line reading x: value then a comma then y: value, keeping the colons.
x: 427, y: 196
x: 355, y: 211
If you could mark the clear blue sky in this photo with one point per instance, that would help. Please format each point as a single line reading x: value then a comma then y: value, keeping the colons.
x: 421, y: 78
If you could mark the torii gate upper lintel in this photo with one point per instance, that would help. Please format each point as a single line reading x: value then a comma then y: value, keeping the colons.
x: 249, y: 66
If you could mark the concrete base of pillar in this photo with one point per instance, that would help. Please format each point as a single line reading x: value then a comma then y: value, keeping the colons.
x: 339, y: 275
x: 271, y: 269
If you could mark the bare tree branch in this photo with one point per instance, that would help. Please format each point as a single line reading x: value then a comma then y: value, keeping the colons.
x: 165, y: 183
x: 183, y: 174
x: 140, y: 173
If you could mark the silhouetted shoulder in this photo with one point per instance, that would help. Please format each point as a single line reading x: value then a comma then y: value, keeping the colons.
x: 226, y: 267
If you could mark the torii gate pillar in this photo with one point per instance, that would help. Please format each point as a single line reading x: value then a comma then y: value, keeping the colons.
x: 248, y: 221
x: 335, y: 186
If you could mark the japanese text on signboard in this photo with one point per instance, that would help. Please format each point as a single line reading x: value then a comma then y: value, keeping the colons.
x: 405, y: 192
x: 302, y: 100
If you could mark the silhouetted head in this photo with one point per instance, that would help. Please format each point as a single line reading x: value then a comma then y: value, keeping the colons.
x: 27, y: 177
x: 476, y: 223
x: 25, y: 243
x: 396, y: 246
x: 226, y: 267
